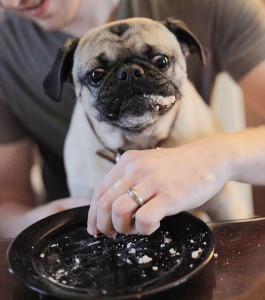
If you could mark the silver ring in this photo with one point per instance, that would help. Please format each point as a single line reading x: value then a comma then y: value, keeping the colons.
x: 134, y: 194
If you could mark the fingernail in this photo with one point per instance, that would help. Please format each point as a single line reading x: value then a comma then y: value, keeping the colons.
x: 91, y: 230
x: 112, y: 234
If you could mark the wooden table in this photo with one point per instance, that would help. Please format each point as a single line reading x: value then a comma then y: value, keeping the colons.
x: 238, y: 271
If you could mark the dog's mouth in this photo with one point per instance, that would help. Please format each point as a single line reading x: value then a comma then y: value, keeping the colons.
x: 136, y: 102
x: 136, y: 113
x: 160, y: 104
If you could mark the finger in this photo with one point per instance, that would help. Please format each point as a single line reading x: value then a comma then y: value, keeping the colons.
x: 92, y: 218
x: 112, y: 178
x: 113, y: 185
x: 118, y: 172
x: 125, y: 207
x: 99, y: 215
x: 149, y: 216
x: 103, y: 215
x: 123, y: 212
x: 102, y: 211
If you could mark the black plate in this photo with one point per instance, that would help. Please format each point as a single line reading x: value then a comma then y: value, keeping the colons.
x: 57, y: 257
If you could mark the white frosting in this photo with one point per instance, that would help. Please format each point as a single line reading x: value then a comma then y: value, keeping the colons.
x: 160, y: 100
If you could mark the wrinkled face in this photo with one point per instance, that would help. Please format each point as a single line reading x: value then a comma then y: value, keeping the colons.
x: 128, y: 74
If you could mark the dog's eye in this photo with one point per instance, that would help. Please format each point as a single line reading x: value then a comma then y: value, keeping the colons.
x: 161, y: 61
x: 96, y: 76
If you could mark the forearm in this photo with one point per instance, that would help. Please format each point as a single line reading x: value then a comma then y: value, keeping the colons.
x: 252, y: 85
x: 13, y: 206
x: 16, y: 195
x: 246, y: 155
x: 11, y: 222
x: 17, y: 215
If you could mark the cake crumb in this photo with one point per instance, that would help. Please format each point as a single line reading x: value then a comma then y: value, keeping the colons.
x: 77, y: 260
x: 167, y: 240
x: 172, y: 251
x: 129, y: 245
x: 132, y: 251
x: 145, y: 259
x: 197, y: 253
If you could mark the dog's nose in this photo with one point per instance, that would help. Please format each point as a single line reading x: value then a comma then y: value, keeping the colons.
x: 129, y: 71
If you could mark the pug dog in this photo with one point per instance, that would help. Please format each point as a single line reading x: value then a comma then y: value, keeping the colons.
x: 132, y: 92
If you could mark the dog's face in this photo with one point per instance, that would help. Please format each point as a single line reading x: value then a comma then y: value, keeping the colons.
x: 127, y: 73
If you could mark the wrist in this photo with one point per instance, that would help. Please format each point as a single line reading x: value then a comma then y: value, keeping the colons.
x: 245, y: 155
x: 222, y: 158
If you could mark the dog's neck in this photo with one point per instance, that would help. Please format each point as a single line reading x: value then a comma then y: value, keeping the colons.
x: 115, y: 141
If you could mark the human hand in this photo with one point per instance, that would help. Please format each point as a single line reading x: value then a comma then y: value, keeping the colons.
x: 53, y: 207
x: 17, y: 217
x: 168, y: 180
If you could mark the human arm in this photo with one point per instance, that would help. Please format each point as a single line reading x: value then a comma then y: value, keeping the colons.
x: 16, y: 196
x: 17, y: 207
x: 253, y: 87
x: 174, y: 180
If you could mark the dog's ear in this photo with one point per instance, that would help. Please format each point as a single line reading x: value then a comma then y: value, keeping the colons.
x: 60, y: 70
x: 189, y: 42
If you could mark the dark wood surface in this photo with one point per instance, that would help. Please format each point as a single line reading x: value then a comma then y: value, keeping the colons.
x: 238, y: 272
x: 258, y: 200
